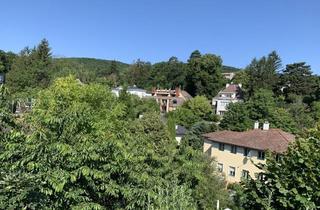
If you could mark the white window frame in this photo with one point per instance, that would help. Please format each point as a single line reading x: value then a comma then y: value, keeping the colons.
x: 220, y: 167
x: 232, y: 171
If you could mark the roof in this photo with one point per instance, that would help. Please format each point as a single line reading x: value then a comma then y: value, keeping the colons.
x: 186, y: 95
x: 232, y: 88
x: 180, y: 130
x: 130, y: 88
x: 274, y: 140
x: 136, y: 89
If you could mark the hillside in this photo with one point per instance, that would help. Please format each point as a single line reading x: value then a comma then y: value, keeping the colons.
x: 228, y: 69
x: 91, y: 64
x: 95, y: 65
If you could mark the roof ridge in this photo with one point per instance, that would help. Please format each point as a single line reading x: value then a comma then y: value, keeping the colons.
x: 280, y: 132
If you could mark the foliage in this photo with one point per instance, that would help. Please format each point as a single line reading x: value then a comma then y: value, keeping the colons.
x: 193, y: 136
x: 6, y: 61
x: 262, y: 73
x: 31, y: 68
x: 169, y: 74
x: 135, y: 106
x: 237, y: 118
x: 90, y: 70
x: 297, y: 79
x: 139, y: 74
x: 194, y: 110
x: 204, y: 74
x: 261, y: 107
x: 77, y: 149
x: 292, y: 182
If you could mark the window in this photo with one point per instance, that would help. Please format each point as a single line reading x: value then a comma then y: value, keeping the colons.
x: 225, y: 103
x: 221, y: 146
x: 208, y: 152
x: 278, y: 157
x: 220, y: 167
x: 261, y: 155
x: 232, y: 171
x: 174, y: 101
x: 261, y: 176
x: 221, y: 112
x: 233, y: 149
x: 247, y: 152
x: 245, y: 174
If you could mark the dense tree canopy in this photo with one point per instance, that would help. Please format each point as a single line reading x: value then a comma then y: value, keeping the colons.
x: 291, y: 182
x: 204, y: 74
x: 79, y: 149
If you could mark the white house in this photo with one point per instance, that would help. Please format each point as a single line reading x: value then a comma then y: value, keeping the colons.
x: 232, y: 93
x: 141, y: 93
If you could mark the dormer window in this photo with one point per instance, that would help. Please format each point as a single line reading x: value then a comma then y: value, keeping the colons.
x: 247, y: 152
x: 261, y: 155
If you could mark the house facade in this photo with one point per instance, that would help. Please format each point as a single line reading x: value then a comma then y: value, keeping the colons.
x: 229, y: 75
x: 180, y: 132
x: 237, y: 153
x: 232, y: 93
x: 169, y: 100
x: 141, y: 93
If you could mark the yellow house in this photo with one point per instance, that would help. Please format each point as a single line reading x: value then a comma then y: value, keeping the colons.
x: 237, y: 153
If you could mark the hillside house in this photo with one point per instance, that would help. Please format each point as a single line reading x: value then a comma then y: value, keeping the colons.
x: 238, y: 152
x: 232, y: 93
x: 229, y: 75
x: 180, y: 133
x: 141, y: 93
x: 169, y: 100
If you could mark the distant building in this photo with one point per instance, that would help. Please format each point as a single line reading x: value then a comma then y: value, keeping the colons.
x: 169, y: 100
x: 180, y: 133
x: 229, y: 75
x: 237, y: 153
x: 232, y: 93
x: 2, y: 78
x: 20, y: 106
x: 141, y: 93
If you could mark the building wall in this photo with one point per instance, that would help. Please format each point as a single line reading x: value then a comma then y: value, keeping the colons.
x: 238, y: 160
x: 222, y: 104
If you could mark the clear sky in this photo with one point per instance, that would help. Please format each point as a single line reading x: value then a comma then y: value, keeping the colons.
x: 155, y: 30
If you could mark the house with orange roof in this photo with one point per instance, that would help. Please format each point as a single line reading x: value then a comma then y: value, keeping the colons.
x: 238, y: 153
x: 232, y: 93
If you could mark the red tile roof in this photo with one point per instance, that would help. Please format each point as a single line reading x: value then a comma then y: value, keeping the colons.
x: 232, y: 88
x: 274, y: 140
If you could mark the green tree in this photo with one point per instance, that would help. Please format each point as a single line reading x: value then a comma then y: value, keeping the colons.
x: 170, y: 74
x: 292, y: 182
x: 77, y: 149
x: 194, y: 110
x: 139, y: 74
x: 31, y: 69
x: 43, y: 52
x: 297, y: 79
x: 262, y: 107
x: 237, y: 118
x: 262, y: 73
x: 204, y: 75
x: 6, y: 61
x: 193, y: 136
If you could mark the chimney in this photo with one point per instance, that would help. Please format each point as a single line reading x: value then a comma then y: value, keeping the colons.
x: 177, y: 91
x: 227, y: 85
x: 256, y: 125
x: 265, y: 126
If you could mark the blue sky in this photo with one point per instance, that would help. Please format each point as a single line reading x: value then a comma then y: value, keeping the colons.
x: 155, y: 30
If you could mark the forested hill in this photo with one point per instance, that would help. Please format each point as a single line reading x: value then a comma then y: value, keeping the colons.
x: 100, y: 64
x: 91, y: 63
x: 228, y: 69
